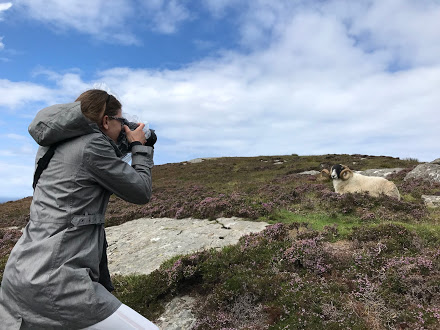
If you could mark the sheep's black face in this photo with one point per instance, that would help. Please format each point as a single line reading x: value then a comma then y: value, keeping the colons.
x: 336, y: 171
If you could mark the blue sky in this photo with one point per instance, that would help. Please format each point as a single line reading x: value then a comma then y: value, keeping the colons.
x: 228, y: 77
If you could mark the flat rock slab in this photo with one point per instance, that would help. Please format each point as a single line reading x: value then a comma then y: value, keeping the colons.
x: 141, y: 246
x: 198, y: 160
x: 312, y: 172
x: 382, y: 172
x: 178, y: 314
x: 431, y: 201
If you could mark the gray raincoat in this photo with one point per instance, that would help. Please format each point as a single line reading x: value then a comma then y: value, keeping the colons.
x: 51, y: 278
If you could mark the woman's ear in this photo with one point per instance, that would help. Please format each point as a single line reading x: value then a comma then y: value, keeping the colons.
x: 104, y: 122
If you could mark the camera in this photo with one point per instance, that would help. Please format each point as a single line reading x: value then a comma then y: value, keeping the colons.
x: 123, y: 144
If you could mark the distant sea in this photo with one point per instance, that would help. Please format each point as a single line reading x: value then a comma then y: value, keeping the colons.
x: 7, y: 199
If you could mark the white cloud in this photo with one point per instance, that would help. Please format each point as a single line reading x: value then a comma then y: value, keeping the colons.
x: 108, y: 21
x: 227, y: 109
x: 395, y: 25
x: 68, y: 83
x: 410, y: 30
x: 2, y: 45
x: 17, y: 156
x: 166, y: 14
x: 27, y: 148
x: 16, y: 179
x: 100, y: 18
x: 16, y: 94
x: 3, y: 7
x: 313, y: 86
x: 218, y: 8
x: 14, y: 136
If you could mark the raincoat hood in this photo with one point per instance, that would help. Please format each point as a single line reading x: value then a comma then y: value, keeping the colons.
x: 60, y: 122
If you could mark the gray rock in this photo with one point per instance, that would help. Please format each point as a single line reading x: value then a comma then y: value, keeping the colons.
x: 178, y: 314
x: 310, y: 172
x: 13, y: 227
x: 199, y: 160
x: 195, y: 161
x: 383, y: 172
x: 431, y: 201
x: 141, y: 246
x: 428, y: 172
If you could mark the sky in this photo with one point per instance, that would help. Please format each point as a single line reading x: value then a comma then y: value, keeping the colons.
x: 227, y: 78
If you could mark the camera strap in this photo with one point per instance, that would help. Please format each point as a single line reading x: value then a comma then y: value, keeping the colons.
x: 43, y: 162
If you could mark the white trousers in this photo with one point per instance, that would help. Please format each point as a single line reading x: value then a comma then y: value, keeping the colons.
x: 124, y: 318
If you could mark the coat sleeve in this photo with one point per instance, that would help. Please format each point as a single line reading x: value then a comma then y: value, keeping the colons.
x: 131, y: 183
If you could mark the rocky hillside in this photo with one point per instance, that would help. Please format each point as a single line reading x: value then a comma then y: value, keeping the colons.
x: 327, y: 261
x: 249, y: 187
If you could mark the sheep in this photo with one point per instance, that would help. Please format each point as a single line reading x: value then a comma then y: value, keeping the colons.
x: 345, y: 181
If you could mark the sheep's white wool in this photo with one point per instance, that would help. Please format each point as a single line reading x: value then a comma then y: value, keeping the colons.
x: 375, y: 186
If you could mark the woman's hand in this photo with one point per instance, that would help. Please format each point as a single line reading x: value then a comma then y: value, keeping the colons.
x: 136, y: 135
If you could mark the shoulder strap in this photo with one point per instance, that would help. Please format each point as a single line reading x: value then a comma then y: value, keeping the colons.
x: 43, y: 162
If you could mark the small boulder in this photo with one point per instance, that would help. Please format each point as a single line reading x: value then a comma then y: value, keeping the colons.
x: 431, y: 201
x: 428, y: 172
x: 312, y: 172
x: 199, y: 160
x: 382, y: 172
x: 178, y: 314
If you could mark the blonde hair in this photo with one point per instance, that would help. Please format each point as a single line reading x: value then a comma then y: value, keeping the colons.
x: 96, y: 103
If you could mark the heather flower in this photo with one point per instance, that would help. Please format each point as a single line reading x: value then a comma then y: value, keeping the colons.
x: 8, y: 238
x: 308, y: 254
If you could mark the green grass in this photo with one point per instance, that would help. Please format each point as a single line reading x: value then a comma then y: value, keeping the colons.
x: 316, y: 221
x: 429, y: 232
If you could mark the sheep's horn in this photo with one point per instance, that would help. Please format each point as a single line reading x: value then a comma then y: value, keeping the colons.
x: 346, y: 173
x: 325, y: 172
x: 324, y: 175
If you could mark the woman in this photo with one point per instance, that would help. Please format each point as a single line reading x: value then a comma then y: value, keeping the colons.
x: 56, y: 276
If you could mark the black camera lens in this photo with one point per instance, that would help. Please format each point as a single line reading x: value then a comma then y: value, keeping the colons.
x: 131, y: 125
